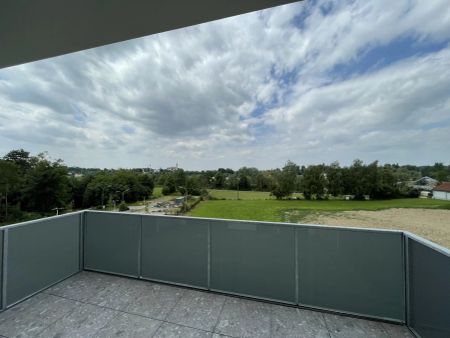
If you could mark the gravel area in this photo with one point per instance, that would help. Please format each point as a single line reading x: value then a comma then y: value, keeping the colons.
x: 433, y: 225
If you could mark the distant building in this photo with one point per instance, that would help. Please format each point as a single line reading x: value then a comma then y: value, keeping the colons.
x: 180, y: 200
x: 173, y: 168
x: 442, y: 191
x: 423, y: 184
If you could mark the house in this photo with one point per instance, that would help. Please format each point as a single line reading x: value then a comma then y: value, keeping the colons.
x: 180, y: 200
x: 423, y: 184
x: 442, y: 191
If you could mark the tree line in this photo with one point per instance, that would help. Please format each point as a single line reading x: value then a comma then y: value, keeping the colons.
x: 40, y: 184
x: 315, y: 181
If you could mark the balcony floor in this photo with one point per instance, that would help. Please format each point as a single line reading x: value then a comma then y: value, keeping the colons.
x: 98, y: 305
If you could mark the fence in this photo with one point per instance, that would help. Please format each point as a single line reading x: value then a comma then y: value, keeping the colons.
x: 388, y: 275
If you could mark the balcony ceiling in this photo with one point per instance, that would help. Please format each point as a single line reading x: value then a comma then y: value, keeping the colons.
x: 34, y: 30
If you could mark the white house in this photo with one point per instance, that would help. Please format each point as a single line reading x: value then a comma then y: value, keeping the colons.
x: 442, y: 191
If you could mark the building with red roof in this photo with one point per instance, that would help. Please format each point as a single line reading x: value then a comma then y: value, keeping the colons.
x: 442, y: 191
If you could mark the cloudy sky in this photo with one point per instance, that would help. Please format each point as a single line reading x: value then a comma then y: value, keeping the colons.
x: 316, y: 81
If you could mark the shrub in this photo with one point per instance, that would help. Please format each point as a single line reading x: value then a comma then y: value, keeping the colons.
x: 123, y: 206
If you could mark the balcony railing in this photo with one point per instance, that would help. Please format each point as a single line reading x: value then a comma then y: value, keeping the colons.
x: 387, y: 275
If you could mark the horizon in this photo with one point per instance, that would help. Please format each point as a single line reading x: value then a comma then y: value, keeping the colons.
x: 252, y: 90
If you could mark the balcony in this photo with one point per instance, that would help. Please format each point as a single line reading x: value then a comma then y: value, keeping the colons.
x: 100, y: 305
x: 98, y: 274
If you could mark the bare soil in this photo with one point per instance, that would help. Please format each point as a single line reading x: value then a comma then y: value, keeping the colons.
x: 433, y: 225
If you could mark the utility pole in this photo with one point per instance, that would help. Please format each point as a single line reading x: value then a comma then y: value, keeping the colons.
x: 6, y: 201
x: 123, y: 193
x: 238, y: 184
x: 185, y: 197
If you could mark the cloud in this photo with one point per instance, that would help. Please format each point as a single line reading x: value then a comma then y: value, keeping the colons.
x: 255, y: 89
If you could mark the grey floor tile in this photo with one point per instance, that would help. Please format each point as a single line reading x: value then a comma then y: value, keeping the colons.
x: 155, y: 301
x: 84, y: 321
x: 244, y: 318
x: 288, y: 322
x: 169, y: 330
x: 197, y: 309
x: 83, y: 286
x: 30, y: 317
x: 129, y: 326
x: 397, y: 331
x: 348, y: 327
x: 118, y: 293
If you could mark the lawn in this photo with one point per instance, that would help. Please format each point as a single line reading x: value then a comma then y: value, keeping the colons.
x: 243, y: 195
x: 276, y: 211
x: 157, y: 192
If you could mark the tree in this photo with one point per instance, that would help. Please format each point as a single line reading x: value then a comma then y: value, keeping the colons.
x: 169, y: 186
x: 218, y: 180
x: 386, y: 183
x: 9, y: 180
x: 335, y: 179
x: 286, y: 180
x: 314, y: 181
x: 21, y: 158
x: 46, y: 186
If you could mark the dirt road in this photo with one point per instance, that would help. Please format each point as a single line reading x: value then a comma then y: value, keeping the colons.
x: 432, y: 224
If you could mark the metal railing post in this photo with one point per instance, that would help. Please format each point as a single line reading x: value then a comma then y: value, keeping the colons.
x: 208, y: 266
x: 4, y: 269
x: 297, y: 291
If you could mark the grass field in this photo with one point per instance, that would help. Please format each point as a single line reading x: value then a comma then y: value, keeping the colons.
x: 243, y: 195
x: 295, y: 211
x: 157, y: 192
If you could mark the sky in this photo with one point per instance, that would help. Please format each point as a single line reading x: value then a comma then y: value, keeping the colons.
x: 312, y: 82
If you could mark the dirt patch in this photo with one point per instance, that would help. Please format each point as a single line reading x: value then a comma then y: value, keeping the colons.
x: 434, y: 225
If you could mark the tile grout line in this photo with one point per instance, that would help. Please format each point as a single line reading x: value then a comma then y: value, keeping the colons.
x: 175, y: 305
x: 271, y: 322
x: 107, y: 323
x: 218, y: 317
x: 129, y: 313
x: 326, y: 325
x: 63, y: 316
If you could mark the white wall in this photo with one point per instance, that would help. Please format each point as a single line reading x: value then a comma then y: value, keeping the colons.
x: 441, y: 195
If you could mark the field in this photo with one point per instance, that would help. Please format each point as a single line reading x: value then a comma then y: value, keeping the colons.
x: 243, y: 195
x: 425, y: 217
x: 297, y: 210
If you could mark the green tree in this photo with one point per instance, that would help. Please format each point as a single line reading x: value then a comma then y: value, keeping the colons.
x: 46, y: 186
x: 314, y: 181
x: 335, y: 179
x: 21, y: 158
x: 9, y: 182
x: 286, y: 180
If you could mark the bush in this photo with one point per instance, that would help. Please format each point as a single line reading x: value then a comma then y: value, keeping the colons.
x: 123, y: 206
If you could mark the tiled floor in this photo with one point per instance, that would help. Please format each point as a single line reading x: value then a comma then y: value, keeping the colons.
x: 98, y: 305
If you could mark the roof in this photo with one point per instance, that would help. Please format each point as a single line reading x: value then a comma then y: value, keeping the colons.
x: 426, y: 180
x: 34, y: 30
x: 444, y: 186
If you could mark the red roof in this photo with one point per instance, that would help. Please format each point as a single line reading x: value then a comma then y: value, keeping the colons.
x: 444, y: 186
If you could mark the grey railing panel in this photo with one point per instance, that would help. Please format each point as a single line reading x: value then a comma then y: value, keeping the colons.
x: 353, y: 271
x: 175, y: 250
x: 111, y: 243
x: 40, y: 254
x: 429, y: 290
x: 1, y: 269
x: 253, y: 259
